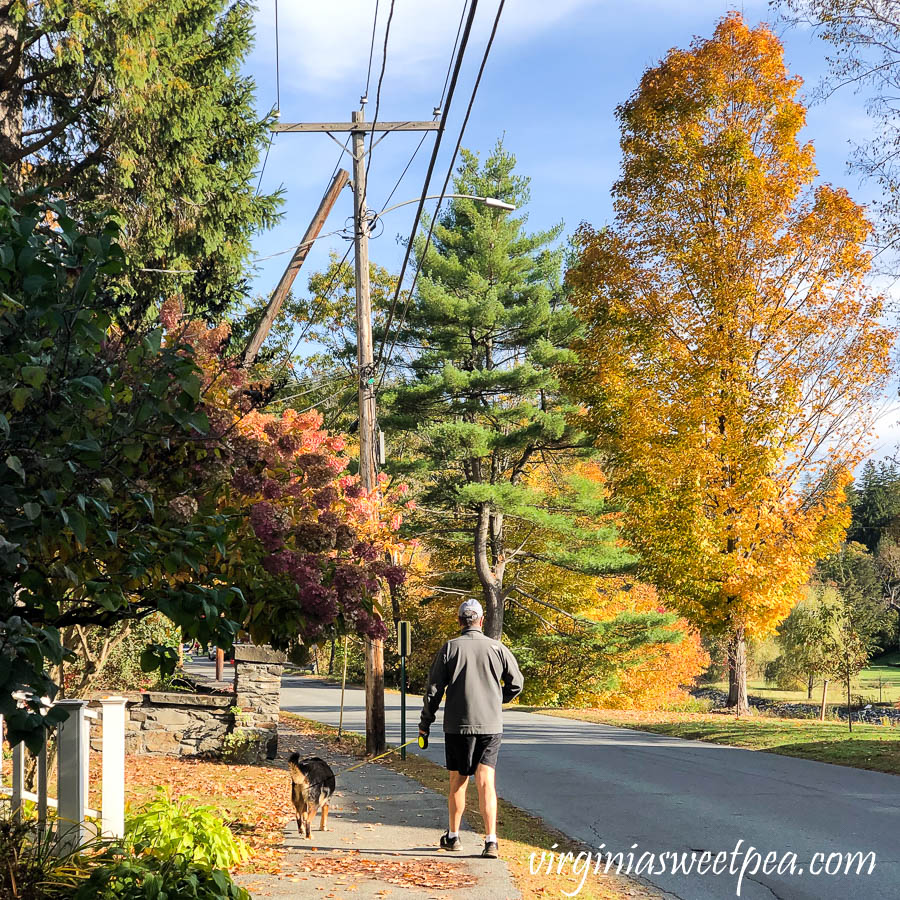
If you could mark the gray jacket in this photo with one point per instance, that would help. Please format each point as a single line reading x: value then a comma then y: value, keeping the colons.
x: 479, y: 675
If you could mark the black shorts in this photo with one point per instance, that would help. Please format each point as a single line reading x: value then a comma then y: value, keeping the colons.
x: 465, y: 752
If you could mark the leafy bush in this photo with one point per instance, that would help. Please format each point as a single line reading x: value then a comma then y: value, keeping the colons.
x: 29, y: 869
x: 110, y: 657
x: 240, y: 747
x: 165, y: 827
x: 119, y: 876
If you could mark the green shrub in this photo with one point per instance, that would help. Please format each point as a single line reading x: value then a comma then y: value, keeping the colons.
x: 165, y: 828
x: 118, y: 876
x: 29, y: 869
x: 240, y: 747
x: 185, y: 862
x: 110, y: 658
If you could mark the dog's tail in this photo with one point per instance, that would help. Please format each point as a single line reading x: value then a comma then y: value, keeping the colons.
x: 298, y: 776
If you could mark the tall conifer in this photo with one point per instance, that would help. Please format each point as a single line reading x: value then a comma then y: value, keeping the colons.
x: 478, y: 396
x: 141, y: 108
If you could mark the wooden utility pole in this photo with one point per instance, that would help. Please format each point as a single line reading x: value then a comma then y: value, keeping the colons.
x: 290, y: 273
x: 358, y: 128
x: 364, y: 354
x: 365, y: 360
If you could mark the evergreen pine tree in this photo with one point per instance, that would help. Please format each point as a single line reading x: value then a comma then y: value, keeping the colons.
x: 478, y: 400
x: 141, y: 108
x: 875, y: 502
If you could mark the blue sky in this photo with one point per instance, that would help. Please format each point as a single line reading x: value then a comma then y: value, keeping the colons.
x: 556, y: 73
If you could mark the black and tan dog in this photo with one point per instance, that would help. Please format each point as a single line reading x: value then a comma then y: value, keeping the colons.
x: 312, y: 785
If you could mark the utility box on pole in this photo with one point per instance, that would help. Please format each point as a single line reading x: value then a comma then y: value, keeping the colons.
x: 404, y: 639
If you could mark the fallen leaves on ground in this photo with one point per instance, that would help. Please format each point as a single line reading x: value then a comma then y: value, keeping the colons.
x: 253, y: 800
x: 424, y: 873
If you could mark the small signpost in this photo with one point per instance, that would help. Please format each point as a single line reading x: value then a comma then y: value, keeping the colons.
x: 404, y: 645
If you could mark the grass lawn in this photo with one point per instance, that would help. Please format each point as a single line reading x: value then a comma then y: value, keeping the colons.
x: 868, y: 747
x: 878, y: 682
x: 882, y: 678
x: 519, y: 832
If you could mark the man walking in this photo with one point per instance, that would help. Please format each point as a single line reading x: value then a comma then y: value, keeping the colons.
x: 479, y: 676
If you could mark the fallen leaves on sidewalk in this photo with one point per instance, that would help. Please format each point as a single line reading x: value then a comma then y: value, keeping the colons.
x: 423, y: 873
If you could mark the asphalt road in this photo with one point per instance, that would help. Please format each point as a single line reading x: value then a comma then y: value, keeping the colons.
x: 616, y: 787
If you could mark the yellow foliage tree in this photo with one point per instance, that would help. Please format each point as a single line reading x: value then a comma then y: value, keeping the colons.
x: 732, y: 350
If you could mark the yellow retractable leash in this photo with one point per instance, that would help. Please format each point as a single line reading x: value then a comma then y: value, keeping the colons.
x: 423, y: 743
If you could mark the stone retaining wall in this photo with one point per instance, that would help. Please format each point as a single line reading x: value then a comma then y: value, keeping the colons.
x: 177, y: 724
x: 257, y: 694
x: 243, y: 722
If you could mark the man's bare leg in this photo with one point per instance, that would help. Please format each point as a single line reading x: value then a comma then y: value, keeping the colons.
x: 456, y: 799
x: 487, y: 797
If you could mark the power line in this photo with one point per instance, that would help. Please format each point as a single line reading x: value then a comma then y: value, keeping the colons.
x: 256, y: 259
x: 317, y: 386
x: 434, y: 155
x: 387, y: 34
x: 403, y: 173
x: 323, y: 297
x: 337, y: 393
x: 462, y: 17
x: 371, y: 52
x: 340, y: 157
x: 265, y: 160
x: 277, y: 64
x: 422, y: 256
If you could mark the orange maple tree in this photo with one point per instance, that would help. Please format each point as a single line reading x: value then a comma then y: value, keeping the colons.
x: 665, y: 670
x: 732, y: 349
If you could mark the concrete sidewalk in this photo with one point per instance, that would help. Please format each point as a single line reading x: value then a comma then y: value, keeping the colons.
x: 382, y: 841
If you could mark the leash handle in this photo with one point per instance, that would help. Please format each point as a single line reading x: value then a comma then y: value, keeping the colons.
x: 423, y: 741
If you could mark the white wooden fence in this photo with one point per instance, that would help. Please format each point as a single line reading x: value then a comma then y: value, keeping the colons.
x: 73, y: 752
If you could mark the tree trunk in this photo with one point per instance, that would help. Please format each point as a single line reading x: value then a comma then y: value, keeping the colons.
x: 809, y: 687
x: 394, y: 589
x: 737, y: 673
x: 490, y: 576
x: 849, y: 710
x: 493, y: 611
x: 824, y: 699
x: 331, y: 659
x: 11, y: 96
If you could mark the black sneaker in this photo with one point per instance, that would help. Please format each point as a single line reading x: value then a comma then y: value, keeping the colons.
x: 491, y: 850
x: 449, y: 843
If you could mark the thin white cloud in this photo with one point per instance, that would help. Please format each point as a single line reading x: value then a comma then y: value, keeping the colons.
x: 325, y: 43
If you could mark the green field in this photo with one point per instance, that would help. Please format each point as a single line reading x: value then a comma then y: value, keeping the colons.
x: 868, y: 747
x: 879, y: 682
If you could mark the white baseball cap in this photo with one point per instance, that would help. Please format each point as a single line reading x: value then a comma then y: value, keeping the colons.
x: 470, y: 609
